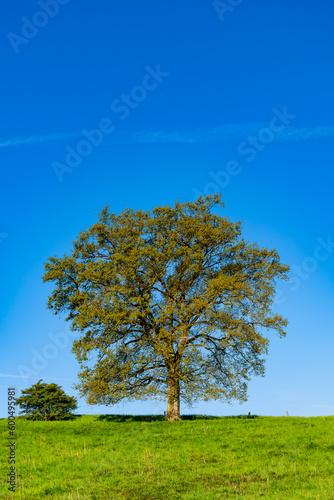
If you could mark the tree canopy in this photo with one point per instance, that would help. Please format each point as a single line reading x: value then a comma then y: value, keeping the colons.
x: 172, y: 303
x: 46, y: 402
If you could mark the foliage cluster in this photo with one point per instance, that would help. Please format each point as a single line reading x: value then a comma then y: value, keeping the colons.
x: 46, y: 402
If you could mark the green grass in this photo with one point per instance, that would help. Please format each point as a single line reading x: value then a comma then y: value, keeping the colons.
x: 146, y: 458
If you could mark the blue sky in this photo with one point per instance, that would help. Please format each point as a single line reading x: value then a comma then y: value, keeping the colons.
x: 142, y: 104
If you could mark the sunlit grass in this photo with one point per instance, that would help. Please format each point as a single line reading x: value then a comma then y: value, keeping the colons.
x: 146, y: 458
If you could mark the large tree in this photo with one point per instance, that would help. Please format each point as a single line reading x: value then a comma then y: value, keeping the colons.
x: 171, y: 304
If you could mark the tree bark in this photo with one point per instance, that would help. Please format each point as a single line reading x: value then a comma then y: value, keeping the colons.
x: 173, y: 403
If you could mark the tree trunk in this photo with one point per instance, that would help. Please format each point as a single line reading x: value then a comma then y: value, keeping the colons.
x: 173, y: 403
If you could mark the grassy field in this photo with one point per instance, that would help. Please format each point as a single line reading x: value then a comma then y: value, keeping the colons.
x: 146, y: 458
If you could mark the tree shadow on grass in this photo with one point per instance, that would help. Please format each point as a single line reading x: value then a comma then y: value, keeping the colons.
x: 243, y: 416
x: 130, y: 418
x: 212, y: 417
x: 161, y: 418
